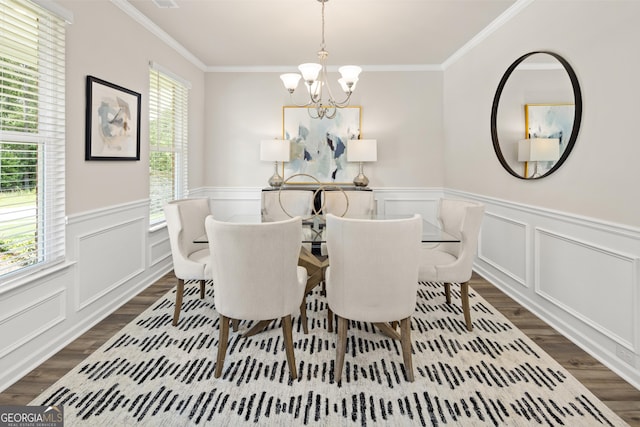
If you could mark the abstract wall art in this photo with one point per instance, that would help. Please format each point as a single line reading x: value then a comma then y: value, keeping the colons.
x: 112, y: 122
x: 319, y: 146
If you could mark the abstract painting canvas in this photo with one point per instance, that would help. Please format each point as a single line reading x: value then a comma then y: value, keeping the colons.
x: 319, y: 146
x: 112, y: 122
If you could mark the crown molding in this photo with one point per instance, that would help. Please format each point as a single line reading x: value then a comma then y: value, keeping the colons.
x: 512, y: 11
x: 158, y: 32
x: 334, y: 68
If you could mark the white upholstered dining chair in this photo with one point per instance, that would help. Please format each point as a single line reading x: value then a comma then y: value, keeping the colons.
x: 348, y: 203
x: 256, y: 277
x: 453, y: 262
x: 373, y: 277
x: 280, y: 205
x: 185, y: 223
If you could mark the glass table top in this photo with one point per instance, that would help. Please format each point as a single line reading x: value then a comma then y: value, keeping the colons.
x: 313, y: 228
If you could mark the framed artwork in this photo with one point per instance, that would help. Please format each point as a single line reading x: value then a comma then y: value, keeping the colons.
x: 319, y: 146
x: 549, y: 121
x: 112, y: 122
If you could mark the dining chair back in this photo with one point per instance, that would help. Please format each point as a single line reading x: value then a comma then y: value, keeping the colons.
x: 349, y: 203
x: 453, y: 262
x: 256, y: 276
x: 373, y: 277
x: 286, y: 204
x: 185, y: 223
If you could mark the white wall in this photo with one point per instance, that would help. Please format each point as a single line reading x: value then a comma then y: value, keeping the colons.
x: 566, y: 246
x: 105, y: 42
x: 599, y: 178
x: 402, y: 110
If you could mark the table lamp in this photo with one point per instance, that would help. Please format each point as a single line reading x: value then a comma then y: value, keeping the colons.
x: 362, y: 150
x: 275, y: 150
x: 538, y: 150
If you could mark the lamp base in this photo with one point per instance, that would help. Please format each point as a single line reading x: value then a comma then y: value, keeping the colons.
x: 276, y: 180
x: 361, y: 180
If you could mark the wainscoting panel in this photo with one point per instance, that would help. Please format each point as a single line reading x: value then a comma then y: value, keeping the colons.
x: 579, y: 275
x: 509, y: 259
x: 109, y: 258
x: 159, y: 250
x: 31, y: 314
x: 108, y: 262
x: 590, y: 292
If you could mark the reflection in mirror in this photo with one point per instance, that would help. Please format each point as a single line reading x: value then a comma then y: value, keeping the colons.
x: 536, y: 115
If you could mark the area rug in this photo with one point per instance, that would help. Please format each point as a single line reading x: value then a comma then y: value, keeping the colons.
x: 155, y: 374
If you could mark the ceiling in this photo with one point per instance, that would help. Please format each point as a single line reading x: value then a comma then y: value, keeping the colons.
x: 279, y: 34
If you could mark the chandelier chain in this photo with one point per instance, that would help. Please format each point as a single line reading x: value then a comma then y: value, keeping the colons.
x: 322, y: 45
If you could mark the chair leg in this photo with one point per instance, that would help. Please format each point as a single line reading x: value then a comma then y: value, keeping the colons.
x: 329, y: 320
x: 202, y: 284
x: 405, y: 334
x: 288, y: 344
x: 464, y: 295
x: 303, y: 314
x: 447, y: 292
x: 179, y: 294
x: 235, y: 323
x: 223, y: 338
x: 341, y: 346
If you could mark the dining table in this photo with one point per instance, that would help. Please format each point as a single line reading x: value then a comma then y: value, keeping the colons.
x: 313, y: 237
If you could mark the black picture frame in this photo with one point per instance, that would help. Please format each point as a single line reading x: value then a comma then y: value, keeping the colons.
x: 112, y: 121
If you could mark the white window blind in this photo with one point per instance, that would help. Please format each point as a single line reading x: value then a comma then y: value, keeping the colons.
x: 32, y: 137
x: 168, y: 101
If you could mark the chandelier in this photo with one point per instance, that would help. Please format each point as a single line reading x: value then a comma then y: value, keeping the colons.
x: 315, y: 78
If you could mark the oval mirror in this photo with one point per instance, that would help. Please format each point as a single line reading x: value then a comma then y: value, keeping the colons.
x: 536, y: 114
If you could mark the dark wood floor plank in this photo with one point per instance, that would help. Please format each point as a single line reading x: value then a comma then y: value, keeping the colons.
x: 617, y: 394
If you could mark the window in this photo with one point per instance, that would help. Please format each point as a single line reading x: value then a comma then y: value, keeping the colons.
x: 168, y: 97
x: 32, y: 136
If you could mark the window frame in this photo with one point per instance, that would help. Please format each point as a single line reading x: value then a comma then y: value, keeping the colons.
x: 167, y: 89
x: 33, y: 46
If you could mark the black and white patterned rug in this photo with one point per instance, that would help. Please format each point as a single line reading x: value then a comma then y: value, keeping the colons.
x: 152, y: 373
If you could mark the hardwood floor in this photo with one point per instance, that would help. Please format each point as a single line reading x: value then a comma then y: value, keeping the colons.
x: 617, y: 394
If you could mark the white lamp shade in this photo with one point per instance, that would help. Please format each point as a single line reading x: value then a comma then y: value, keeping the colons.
x: 350, y: 73
x: 310, y: 71
x: 538, y: 149
x: 362, y: 150
x: 274, y: 150
x: 290, y: 80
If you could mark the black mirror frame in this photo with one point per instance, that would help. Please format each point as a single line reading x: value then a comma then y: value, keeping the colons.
x: 577, y: 96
